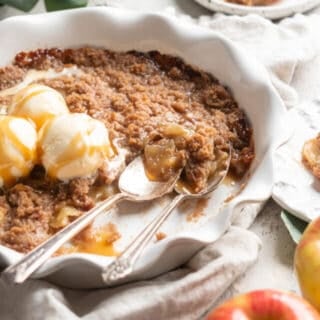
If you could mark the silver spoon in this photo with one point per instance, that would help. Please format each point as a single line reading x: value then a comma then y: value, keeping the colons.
x: 133, y: 185
x: 123, y: 264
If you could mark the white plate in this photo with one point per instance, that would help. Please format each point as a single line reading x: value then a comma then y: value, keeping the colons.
x: 251, y: 87
x: 295, y: 187
x: 281, y: 9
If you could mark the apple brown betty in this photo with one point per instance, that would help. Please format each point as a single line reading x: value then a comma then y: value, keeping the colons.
x: 147, y: 101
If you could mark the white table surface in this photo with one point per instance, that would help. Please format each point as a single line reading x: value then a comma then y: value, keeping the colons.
x: 274, y: 267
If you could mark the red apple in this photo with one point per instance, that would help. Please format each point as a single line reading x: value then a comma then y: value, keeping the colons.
x: 307, y: 263
x: 265, y: 305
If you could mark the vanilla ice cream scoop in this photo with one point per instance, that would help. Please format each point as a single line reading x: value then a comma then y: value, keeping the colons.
x: 73, y: 145
x: 38, y: 103
x: 18, y: 143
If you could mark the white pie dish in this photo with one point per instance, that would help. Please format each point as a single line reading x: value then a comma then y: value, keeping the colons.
x: 281, y: 9
x: 249, y: 82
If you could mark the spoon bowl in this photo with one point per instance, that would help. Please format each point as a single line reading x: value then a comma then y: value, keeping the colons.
x: 138, y: 187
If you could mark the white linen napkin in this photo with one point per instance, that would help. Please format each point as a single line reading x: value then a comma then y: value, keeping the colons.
x: 188, y: 292
x: 185, y: 293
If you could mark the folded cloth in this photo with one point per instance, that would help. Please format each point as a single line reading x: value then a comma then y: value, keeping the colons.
x: 184, y: 293
x: 188, y: 292
x: 279, y: 47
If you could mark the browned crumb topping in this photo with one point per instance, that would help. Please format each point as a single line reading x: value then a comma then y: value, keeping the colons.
x: 11, y: 76
x: 198, y: 211
x: 99, y: 241
x: 139, y: 97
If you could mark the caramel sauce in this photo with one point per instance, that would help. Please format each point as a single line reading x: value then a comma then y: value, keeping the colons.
x: 229, y: 179
x: 95, y: 241
x: 27, y: 154
x: 40, y: 119
x: 21, y: 102
x: 160, y: 235
x: 100, y: 246
x: 151, y: 175
x: 5, y: 126
x: 6, y: 176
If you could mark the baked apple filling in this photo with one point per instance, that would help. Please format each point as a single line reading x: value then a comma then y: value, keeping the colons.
x: 162, y: 160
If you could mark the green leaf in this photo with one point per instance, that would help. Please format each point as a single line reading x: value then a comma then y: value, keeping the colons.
x: 294, y: 225
x: 53, y: 5
x: 25, y: 5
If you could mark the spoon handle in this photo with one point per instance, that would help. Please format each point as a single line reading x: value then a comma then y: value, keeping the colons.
x: 123, y: 265
x: 21, y: 270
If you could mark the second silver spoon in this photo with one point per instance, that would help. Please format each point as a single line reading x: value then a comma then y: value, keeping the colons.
x: 123, y: 265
